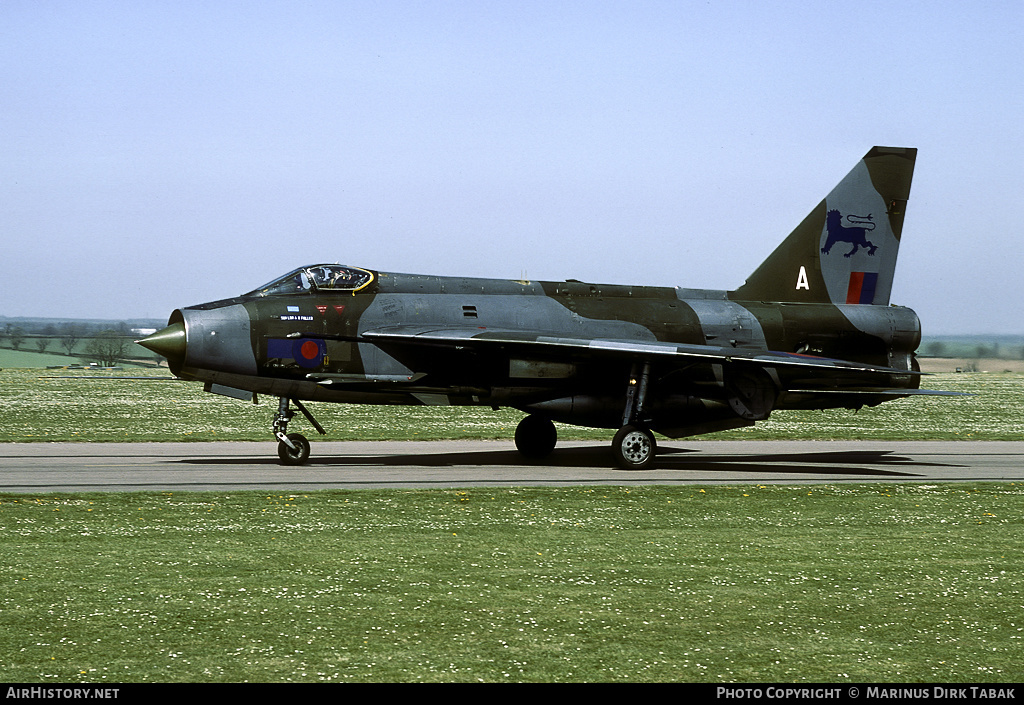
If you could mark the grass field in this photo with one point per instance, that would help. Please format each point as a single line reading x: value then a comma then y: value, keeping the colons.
x: 749, y: 583
x: 893, y: 583
x: 96, y: 406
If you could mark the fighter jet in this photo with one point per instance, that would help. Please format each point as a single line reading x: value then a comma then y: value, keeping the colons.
x: 811, y: 328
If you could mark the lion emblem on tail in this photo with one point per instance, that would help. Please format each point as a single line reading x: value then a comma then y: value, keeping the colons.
x: 855, y: 233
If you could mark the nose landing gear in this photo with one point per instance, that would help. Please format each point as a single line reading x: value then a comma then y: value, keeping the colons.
x: 292, y: 448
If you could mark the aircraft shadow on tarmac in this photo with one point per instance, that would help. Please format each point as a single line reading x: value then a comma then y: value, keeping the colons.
x: 866, y: 463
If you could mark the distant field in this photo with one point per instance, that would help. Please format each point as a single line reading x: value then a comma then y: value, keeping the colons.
x: 41, y: 406
x: 56, y: 356
x: 987, y: 364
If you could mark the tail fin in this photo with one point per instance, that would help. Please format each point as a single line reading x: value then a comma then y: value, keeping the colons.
x: 845, y: 250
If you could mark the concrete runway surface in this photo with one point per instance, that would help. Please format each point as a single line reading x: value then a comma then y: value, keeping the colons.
x: 132, y: 467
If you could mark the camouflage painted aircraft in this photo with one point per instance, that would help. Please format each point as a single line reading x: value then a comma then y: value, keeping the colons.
x: 811, y: 328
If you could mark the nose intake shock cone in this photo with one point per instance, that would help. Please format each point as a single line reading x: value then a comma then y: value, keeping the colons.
x: 169, y: 342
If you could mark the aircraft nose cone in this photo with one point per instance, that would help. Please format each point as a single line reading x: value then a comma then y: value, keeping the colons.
x: 169, y: 342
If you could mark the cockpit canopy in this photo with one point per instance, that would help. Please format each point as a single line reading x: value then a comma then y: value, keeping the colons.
x: 319, y: 277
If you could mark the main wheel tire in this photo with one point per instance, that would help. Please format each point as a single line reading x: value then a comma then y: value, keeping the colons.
x: 536, y: 437
x: 634, y: 448
x: 294, y: 456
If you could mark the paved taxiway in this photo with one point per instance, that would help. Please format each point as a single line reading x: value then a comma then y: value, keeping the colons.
x: 130, y: 467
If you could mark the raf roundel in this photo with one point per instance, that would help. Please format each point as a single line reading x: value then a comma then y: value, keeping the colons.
x: 309, y: 350
x: 309, y: 353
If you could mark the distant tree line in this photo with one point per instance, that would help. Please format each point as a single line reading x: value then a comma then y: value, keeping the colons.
x: 979, y: 350
x: 102, y: 343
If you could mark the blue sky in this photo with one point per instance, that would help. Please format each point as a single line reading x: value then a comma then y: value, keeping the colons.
x: 160, y: 154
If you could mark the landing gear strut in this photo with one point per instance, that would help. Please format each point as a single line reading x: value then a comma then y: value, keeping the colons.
x: 293, y: 448
x: 634, y: 446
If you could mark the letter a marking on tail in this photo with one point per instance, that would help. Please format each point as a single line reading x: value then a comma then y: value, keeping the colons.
x: 801, y: 279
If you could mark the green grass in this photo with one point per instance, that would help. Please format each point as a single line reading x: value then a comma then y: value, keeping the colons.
x: 30, y: 358
x: 871, y: 583
x: 96, y: 406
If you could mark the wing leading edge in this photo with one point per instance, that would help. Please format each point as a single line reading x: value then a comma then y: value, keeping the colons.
x: 560, y: 346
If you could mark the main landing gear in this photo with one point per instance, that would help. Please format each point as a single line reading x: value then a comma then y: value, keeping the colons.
x: 536, y: 437
x: 633, y: 447
x: 292, y: 448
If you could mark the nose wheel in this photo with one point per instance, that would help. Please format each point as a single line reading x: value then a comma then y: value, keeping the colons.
x: 292, y: 448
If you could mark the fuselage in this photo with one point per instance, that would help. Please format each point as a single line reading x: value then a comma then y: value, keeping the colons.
x: 307, y: 342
